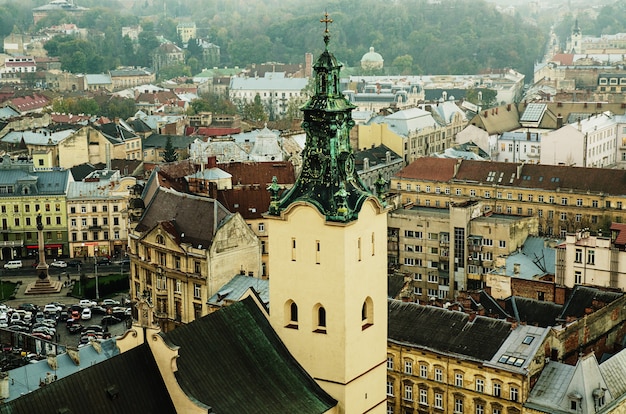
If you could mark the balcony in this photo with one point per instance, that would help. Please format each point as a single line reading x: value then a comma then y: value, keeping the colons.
x: 474, y: 247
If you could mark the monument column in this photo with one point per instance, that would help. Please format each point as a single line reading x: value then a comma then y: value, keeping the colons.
x: 43, y: 285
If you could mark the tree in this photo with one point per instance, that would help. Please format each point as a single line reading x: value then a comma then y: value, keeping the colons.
x: 404, y: 64
x: 483, y: 97
x: 254, y: 111
x: 170, y: 154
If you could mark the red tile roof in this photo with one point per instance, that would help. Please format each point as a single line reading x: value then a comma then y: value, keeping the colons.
x: 249, y: 201
x: 620, y: 240
x: 518, y: 175
x: 429, y: 168
x: 245, y: 173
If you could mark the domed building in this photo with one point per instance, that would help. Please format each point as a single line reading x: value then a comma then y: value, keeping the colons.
x: 372, y: 60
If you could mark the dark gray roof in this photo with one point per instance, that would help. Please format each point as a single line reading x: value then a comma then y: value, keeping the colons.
x: 395, y: 283
x: 533, y: 312
x: 193, y: 217
x: 445, y: 331
x: 233, y: 361
x: 127, y: 383
x: 583, y: 297
x: 159, y: 141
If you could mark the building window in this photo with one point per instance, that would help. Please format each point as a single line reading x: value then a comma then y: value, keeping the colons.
x: 261, y: 227
x: 408, y: 367
x: 438, y: 374
x: 551, y: 199
x: 480, y: 385
x: 514, y: 394
x: 439, y: 400
x: 390, y: 388
x: 578, y: 258
x: 497, y: 389
x: 417, y: 290
x: 390, y: 362
x: 293, y: 314
x: 293, y: 249
x: 423, y: 396
x: 197, y: 291
x: 563, y: 201
x: 578, y: 277
x: 321, y: 319
x: 458, y: 406
x: 579, y: 218
x: 579, y: 202
x: 594, y: 203
x: 408, y: 392
x: 83, y: 209
x: 472, y: 193
x: 502, y: 244
x: 591, y: 257
x: 480, y: 409
x: 458, y: 379
x: 423, y: 370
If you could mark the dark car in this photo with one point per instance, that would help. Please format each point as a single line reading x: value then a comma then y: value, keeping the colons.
x: 109, y: 320
x: 74, y: 263
x: 103, y: 261
x: 29, y: 307
x: 75, y: 328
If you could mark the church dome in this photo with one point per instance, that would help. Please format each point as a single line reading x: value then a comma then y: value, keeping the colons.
x: 372, y: 60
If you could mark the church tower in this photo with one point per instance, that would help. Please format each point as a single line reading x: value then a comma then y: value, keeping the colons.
x: 577, y: 40
x: 328, y: 253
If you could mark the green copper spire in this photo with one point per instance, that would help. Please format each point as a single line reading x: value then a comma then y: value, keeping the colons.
x: 328, y: 179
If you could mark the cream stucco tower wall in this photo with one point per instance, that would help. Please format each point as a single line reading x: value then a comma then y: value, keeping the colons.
x: 341, y: 267
x: 328, y: 255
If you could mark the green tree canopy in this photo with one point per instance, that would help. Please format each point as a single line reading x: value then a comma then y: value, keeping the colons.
x: 170, y: 154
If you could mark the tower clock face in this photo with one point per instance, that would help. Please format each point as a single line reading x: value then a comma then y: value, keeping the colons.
x: 346, y: 160
x: 316, y: 164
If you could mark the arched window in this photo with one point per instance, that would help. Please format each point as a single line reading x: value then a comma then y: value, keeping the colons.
x: 160, y: 239
x: 367, y: 313
x: 291, y: 314
x: 319, y: 316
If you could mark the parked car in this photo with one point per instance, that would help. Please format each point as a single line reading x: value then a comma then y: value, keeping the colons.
x: 50, y: 308
x: 28, y: 307
x: 110, y: 302
x: 86, y: 303
x: 74, y: 328
x: 13, y: 264
x: 43, y: 336
x: 103, y: 261
x: 75, y: 263
x: 59, y: 264
x: 85, y: 314
x: 75, y: 315
x: 110, y: 320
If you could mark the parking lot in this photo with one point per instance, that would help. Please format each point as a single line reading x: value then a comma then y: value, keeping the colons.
x: 22, y: 341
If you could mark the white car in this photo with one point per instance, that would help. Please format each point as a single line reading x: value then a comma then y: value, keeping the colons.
x: 86, y: 303
x: 50, y: 308
x: 110, y: 302
x: 85, y: 315
x: 58, y: 263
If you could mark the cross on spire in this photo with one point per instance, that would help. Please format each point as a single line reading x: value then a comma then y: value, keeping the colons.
x: 326, y: 20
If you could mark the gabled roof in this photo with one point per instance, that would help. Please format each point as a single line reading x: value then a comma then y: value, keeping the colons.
x: 127, y: 383
x: 233, y: 361
x: 506, y: 174
x: 430, y: 168
x: 249, y: 201
x: 234, y: 290
x: 259, y: 172
x: 497, y: 120
x: 196, y: 218
x: 619, y: 229
x: 586, y: 297
x: 445, y: 331
x: 533, y: 312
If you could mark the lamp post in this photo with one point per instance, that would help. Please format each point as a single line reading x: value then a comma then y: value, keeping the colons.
x: 95, y: 258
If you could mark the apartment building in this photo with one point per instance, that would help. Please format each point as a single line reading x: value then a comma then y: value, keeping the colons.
x: 451, y: 248
x: 97, y: 214
x: 25, y: 193
x: 564, y: 199
x: 593, y: 260
x: 183, y: 250
x: 445, y: 361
